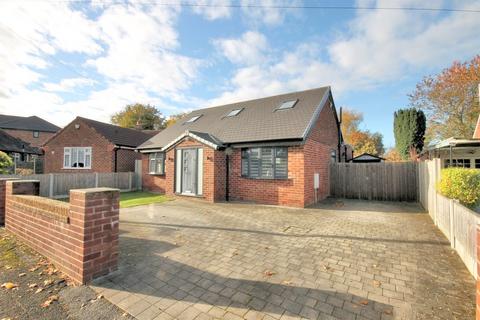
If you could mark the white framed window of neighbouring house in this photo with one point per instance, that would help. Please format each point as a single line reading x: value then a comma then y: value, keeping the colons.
x: 77, y: 157
x: 156, y: 163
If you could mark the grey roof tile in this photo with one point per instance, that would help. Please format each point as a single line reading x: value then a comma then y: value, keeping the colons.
x: 258, y: 121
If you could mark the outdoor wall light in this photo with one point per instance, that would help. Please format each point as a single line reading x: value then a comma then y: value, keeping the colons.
x: 170, y: 159
x: 209, y: 158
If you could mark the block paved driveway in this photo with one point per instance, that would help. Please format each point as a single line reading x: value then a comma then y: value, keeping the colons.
x: 186, y: 259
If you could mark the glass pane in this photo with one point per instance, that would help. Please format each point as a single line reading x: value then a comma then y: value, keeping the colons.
x: 281, y: 169
x: 88, y: 160
x: 267, y: 163
x: 66, y: 160
x: 74, y: 158
x: 477, y: 163
x: 254, y: 162
x: 466, y: 163
x: 244, y: 166
x: 81, y: 157
x: 281, y: 152
x: 151, y: 165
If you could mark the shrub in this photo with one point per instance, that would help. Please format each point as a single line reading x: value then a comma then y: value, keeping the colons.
x: 461, y: 184
x: 5, y: 163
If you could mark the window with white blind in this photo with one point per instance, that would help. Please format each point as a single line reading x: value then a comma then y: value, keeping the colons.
x: 265, y: 163
x: 156, y: 163
x: 77, y: 157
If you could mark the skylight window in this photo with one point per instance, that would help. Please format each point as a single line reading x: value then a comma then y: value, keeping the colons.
x: 234, y: 112
x: 287, y: 104
x: 193, y: 119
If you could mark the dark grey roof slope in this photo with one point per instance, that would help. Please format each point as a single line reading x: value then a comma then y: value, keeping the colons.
x: 9, y: 143
x: 33, y: 123
x: 258, y: 121
x: 118, y: 135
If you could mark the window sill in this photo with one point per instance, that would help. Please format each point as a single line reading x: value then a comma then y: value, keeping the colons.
x: 68, y: 168
x: 266, y: 179
x: 156, y: 174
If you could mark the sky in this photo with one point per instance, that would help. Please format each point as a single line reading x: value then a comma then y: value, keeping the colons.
x: 60, y: 59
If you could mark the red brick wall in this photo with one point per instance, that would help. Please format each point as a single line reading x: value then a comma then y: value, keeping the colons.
x: 287, y: 192
x: 102, y: 149
x: 323, y: 139
x: 27, y: 136
x: 81, y: 238
x: 126, y: 160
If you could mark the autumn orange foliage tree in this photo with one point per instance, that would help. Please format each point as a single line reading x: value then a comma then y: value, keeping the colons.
x: 361, y: 140
x: 450, y: 100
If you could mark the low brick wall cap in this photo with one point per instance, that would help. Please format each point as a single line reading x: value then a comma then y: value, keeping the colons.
x: 9, y: 179
x: 20, y: 180
x: 94, y: 190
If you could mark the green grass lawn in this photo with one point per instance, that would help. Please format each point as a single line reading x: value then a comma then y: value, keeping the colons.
x: 138, y: 198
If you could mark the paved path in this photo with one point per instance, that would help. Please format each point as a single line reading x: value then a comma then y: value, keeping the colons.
x: 342, y: 260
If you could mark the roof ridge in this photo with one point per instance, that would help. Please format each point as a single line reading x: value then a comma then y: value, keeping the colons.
x: 261, y: 98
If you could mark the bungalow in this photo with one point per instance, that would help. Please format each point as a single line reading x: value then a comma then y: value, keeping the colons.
x: 91, y: 146
x: 274, y: 150
x: 16, y: 148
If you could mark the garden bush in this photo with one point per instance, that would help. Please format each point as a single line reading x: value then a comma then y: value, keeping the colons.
x: 461, y: 184
x: 5, y: 163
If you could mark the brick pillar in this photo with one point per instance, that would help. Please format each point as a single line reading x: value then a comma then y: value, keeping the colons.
x: 3, y: 189
x: 22, y: 187
x: 478, y: 272
x: 95, y: 212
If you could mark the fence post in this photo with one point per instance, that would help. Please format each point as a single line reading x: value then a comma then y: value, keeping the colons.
x: 130, y: 181
x: 51, y: 179
x: 96, y: 179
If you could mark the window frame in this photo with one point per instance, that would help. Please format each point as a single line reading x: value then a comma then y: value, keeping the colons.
x: 36, y: 134
x: 459, y: 163
x: 246, y: 159
x: 87, y: 156
x: 161, y: 158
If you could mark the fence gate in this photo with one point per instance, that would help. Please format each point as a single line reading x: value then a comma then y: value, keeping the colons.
x: 389, y: 181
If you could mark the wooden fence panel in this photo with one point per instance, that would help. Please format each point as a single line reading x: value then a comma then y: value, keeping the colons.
x: 374, y: 181
x: 58, y: 185
x: 456, y: 222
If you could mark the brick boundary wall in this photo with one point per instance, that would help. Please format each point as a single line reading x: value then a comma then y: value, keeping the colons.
x: 3, y: 184
x: 80, y: 237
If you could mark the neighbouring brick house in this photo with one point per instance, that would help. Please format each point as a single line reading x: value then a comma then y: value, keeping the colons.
x: 33, y: 130
x: 91, y: 146
x: 17, y: 148
x: 267, y: 150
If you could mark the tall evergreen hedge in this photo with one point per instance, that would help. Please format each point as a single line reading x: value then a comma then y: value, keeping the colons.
x: 409, y: 128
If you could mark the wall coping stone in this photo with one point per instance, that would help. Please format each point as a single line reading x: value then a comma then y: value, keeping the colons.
x: 94, y: 190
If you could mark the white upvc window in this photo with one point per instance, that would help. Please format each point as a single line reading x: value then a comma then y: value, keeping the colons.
x: 156, y: 163
x: 77, y: 157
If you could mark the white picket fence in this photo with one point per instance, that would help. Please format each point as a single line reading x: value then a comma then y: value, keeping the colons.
x: 58, y: 185
x: 456, y: 221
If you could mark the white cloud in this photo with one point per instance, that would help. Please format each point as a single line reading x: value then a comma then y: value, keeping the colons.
x: 269, y: 12
x: 68, y: 84
x: 380, y: 47
x: 248, y: 49
x: 213, y: 9
x: 132, y: 47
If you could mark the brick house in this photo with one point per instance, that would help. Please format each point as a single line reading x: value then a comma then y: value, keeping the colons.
x: 274, y: 150
x: 87, y: 145
x: 33, y: 130
x: 17, y: 148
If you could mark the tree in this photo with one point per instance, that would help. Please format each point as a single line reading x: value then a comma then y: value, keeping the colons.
x: 409, y: 130
x: 450, y: 100
x: 362, y: 141
x: 136, y: 115
x: 174, y: 118
x: 393, y: 155
x: 6, y: 163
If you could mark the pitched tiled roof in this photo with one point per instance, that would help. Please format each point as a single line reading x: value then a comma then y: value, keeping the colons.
x: 258, y: 121
x: 9, y: 143
x: 33, y: 123
x: 118, y: 135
